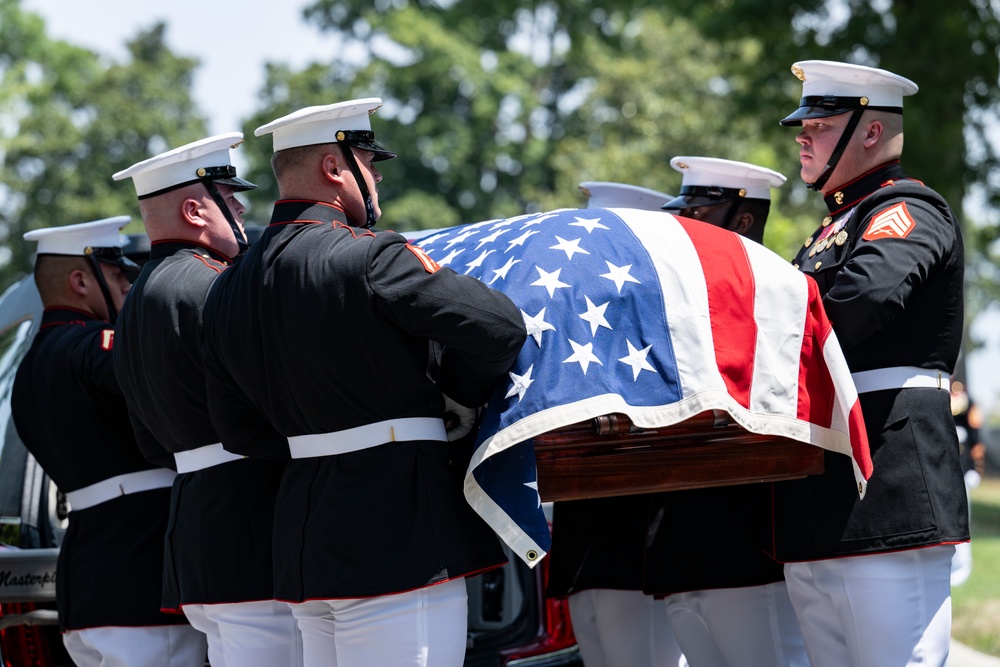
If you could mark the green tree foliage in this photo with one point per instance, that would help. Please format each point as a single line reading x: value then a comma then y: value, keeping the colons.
x: 70, y: 121
x: 950, y: 49
x: 503, y: 107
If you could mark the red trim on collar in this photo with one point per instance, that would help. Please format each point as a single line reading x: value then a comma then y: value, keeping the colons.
x: 851, y: 182
x: 52, y: 309
x: 188, y: 243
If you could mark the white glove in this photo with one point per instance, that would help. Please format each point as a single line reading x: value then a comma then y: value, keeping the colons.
x: 459, y: 419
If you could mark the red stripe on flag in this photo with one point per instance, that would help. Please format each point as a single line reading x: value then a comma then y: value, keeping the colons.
x: 859, y: 441
x: 816, y: 389
x: 730, y: 284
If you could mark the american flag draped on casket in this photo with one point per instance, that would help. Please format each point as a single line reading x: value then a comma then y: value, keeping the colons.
x: 653, y: 316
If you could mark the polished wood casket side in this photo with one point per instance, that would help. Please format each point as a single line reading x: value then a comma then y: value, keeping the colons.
x: 608, y: 456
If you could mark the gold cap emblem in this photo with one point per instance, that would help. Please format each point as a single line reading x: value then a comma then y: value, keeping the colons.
x: 839, y: 197
x: 797, y: 71
x: 340, y: 135
x: 864, y: 101
x: 743, y: 192
x: 201, y: 172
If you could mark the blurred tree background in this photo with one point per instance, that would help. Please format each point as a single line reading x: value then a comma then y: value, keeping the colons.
x: 68, y: 121
x: 502, y: 108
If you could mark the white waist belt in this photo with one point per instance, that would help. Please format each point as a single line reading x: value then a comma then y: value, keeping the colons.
x: 120, y: 485
x: 203, y: 457
x: 364, y: 437
x: 899, y: 377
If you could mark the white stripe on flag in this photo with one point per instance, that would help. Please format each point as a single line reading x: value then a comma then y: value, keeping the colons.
x: 780, y: 325
x: 685, y: 297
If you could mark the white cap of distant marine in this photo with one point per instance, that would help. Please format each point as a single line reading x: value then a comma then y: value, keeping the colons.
x: 605, y: 194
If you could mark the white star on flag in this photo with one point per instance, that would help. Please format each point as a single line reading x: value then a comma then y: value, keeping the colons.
x: 520, y: 383
x: 478, y: 261
x: 492, y: 237
x: 637, y: 360
x: 583, y: 355
x: 445, y: 261
x: 590, y: 224
x: 537, y: 221
x: 536, y: 325
x: 461, y: 237
x: 501, y: 273
x: 550, y: 281
x: 519, y: 240
x: 423, y: 243
x: 619, y: 275
x: 569, y: 247
x: 534, y: 485
x: 595, y: 315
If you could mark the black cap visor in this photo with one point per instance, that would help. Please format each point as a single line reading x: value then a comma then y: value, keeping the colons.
x: 365, y: 140
x: 226, y: 175
x: 803, y: 113
x: 693, y: 201
x: 236, y: 183
x: 692, y: 196
x: 116, y: 257
x: 824, y: 106
x: 381, y: 152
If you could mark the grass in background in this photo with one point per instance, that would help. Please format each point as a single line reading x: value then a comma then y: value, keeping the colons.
x: 976, y: 603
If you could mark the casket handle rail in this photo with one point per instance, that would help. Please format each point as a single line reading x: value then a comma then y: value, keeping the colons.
x: 610, y: 456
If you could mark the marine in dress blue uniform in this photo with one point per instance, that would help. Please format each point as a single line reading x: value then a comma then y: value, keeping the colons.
x: 321, y: 334
x: 707, y: 548
x: 598, y: 544
x: 218, y: 545
x: 70, y: 412
x: 869, y: 577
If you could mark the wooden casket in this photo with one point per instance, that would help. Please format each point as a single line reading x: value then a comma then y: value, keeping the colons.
x: 608, y: 456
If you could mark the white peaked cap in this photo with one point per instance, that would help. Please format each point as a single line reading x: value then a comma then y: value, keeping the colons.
x: 185, y: 165
x: 717, y: 173
x: 79, y: 239
x: 856, y: 86
x: 604, y: 194
x: 320, y: 124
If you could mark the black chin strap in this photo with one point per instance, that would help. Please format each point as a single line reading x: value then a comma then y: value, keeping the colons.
x: 838, y: 151
x: 362, y: 186
x: 95, y: 266
x: 224, y: 207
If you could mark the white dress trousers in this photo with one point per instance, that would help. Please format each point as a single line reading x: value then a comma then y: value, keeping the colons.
x: 875, y: 610
x: 422, y: 628
x: 623, y: 629
x: 155, y: 646
x: 248, y: 634
x: 752, y: 626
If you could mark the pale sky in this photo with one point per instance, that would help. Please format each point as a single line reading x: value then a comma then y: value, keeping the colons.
x: 233, y: 39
